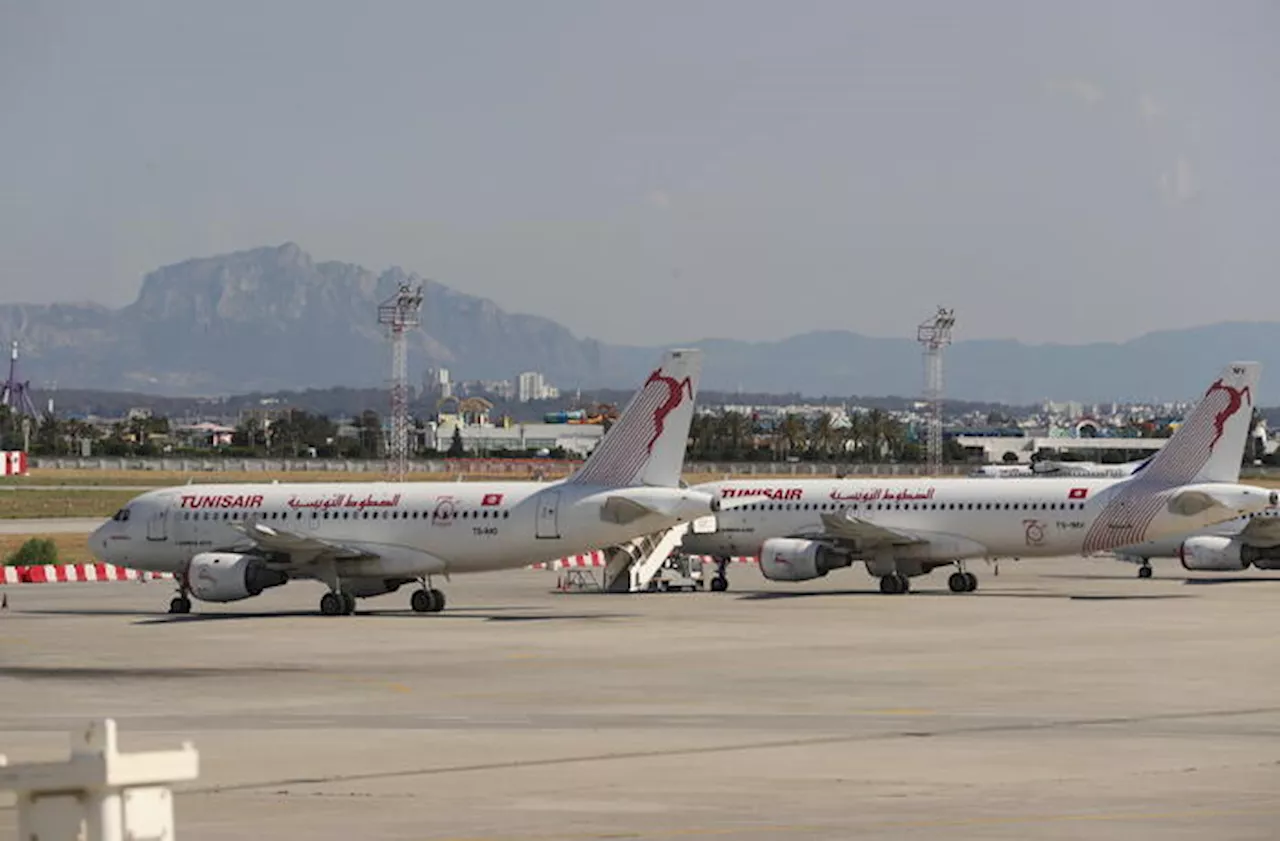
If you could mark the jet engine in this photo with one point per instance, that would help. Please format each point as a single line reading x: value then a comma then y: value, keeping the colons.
x: 1225, y: 554
x: 229, y: 577
x: 794, y: 559
x: 1212, y: 554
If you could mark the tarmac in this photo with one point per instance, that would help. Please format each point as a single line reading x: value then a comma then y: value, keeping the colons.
x: 1065, y: 699
x: 51, y: 525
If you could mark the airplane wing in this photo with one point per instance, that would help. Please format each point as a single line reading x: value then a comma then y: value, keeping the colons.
x: 1262, y: 531
x: 300, y: 548
x: 865, y: 533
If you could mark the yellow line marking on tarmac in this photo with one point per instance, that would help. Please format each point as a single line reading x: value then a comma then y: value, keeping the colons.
x: 895, y: 712
x: 368, y: 681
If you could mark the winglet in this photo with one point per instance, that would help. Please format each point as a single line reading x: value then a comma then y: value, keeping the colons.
x: 646, y: 446
x: 1209, y: 445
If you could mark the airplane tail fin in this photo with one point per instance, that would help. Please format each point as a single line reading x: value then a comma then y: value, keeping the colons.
x: 646, y: 446
x: 1209, y: 445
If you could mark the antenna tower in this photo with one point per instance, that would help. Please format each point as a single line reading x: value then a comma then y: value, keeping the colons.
x: 934, y: 335
x: 16, y: 395
x: 399, y: 313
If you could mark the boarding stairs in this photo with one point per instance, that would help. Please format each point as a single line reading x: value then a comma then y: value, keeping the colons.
x: 632, y: 565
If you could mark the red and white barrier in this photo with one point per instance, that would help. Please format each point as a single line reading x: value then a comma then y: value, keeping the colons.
x: 69, y: 573
x: 591, y: 559
x: 14, y: 463
x: 597, y: 559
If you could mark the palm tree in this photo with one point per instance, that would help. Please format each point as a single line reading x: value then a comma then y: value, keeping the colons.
x: 825, y: 436
x: 704, y: 443
x: 735, y: 431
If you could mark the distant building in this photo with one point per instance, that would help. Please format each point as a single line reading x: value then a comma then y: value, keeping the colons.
x: 205, y: 434
x: 438, y: 383
x: 531, y: 385
x: 578, y: 439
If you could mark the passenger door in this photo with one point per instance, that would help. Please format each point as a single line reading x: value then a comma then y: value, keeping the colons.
x: 548, y: 527
x: 158, y: 524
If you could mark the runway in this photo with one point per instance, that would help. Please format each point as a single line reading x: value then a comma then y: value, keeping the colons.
x: 1064, y: 699
x: 51, y: 525
x: 138, y: 488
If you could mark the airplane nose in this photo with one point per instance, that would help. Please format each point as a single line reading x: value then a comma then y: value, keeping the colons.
x: 98, y: 543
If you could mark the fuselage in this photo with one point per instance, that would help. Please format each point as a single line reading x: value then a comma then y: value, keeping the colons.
x: 415, y: 528
x: 1167, y: 547
x: 1029, y: 517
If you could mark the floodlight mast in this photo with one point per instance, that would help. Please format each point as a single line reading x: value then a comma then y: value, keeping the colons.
x: 15, y: 394
x: 399, y: 313
x: 935, y: 335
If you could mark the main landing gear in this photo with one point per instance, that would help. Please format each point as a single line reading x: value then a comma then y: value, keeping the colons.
x: 427, y: 600
x: 338, y: 603
x: 721, y: 582
x: 962, y: 582
x: 895, y: 584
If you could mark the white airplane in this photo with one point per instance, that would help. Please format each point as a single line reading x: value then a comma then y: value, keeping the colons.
x: 801, y: 530
x: 1233, y: 546
x: 230, y: 542
x: 1090, y: 469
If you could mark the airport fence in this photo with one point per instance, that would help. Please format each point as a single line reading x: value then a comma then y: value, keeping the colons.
x: 514, y: 468
x: 502, y: 468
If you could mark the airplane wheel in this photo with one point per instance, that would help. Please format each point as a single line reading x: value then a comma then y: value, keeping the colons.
x: 437, y: 601
x: 348, y: 604
x: 892, y: 585
x: 972, y: 581
x: 719, y: 584
x: 332, y: 604
x: 904, y: 583
x: 958, y: 582
x: 180, y: 604
x: 421, y: 601
x: 1144, y: 572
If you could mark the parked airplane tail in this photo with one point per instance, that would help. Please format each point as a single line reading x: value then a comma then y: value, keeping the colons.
x: 646, y: 446
x: 1209, y: 445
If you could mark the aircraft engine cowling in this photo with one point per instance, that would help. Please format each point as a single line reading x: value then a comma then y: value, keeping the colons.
x: 793, y: 559
x: 1212, y: 554
x: 229, y: 576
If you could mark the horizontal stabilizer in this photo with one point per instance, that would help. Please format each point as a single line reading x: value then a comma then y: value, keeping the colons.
x: 621, y: 511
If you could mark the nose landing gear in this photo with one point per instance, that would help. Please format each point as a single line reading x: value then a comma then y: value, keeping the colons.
x: 181, y: 603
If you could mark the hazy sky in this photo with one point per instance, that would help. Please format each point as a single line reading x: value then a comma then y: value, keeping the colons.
x: 660, y: 171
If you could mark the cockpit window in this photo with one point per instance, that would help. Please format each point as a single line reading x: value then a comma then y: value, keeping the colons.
x: 121, y: 516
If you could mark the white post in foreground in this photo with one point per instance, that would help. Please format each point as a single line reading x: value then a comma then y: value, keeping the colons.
x: 99, y: 794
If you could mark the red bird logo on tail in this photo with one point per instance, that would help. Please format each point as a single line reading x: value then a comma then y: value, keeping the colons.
x: 676, y: 390
x: 1235, y: 399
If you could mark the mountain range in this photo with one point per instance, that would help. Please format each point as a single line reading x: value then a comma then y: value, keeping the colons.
x: 272, y: 318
